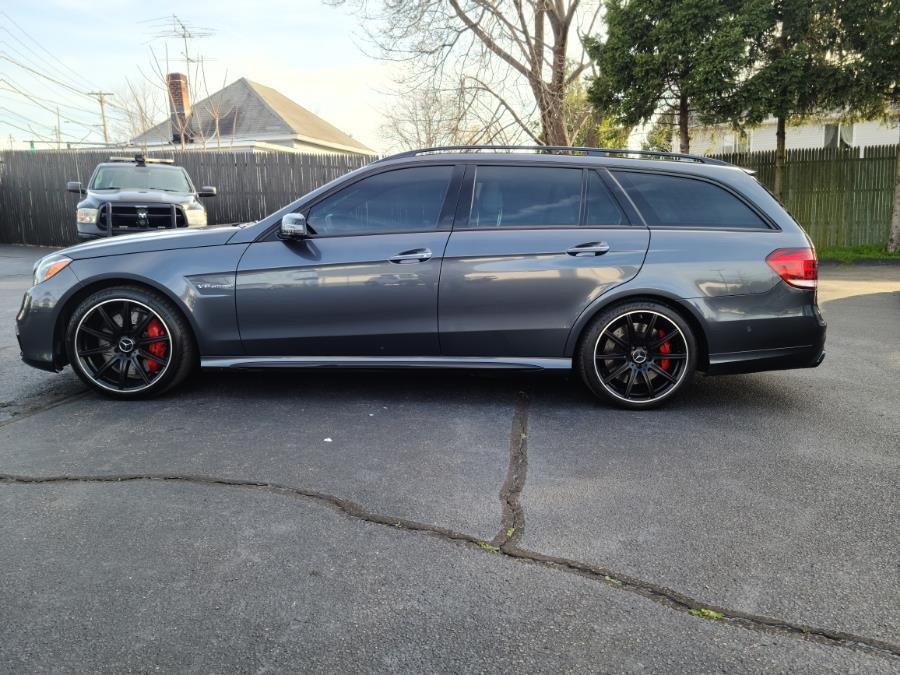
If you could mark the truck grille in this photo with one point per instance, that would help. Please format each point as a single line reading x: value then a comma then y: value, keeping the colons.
x: 120, y: 218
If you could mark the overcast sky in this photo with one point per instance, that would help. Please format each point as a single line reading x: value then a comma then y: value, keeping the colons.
x: 309, y: 51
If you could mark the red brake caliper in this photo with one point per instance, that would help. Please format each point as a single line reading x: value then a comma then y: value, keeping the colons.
x: 664, y: 348
x: 158, y: 349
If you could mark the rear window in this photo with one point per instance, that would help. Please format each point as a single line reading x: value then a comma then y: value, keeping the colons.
x: 525, y: 196
x: 685, y: 202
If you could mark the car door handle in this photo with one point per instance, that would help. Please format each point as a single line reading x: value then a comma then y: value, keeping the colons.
x: 591, y: 248
x: 413, y: 256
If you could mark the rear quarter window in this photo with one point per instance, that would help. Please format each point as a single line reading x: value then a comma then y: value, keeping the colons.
x: 686, y: 202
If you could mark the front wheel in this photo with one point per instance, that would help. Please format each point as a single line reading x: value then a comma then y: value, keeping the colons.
x: 129, y: 342
x: 637, y: 355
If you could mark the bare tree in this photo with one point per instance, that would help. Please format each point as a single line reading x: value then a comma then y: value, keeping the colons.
x: 514, y: 60
x: 204, y: 125
x: 141, y: 108
x: 419, y: 117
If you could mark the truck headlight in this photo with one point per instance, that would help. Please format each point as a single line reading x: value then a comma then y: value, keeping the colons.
x: 86, y: 216
x: 195, y: 217
x: 49, y: 266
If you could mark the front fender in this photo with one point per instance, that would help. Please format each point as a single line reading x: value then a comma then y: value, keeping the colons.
x: 200, y: 282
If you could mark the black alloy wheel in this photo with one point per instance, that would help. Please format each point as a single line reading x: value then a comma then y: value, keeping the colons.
x: 129, y: 343
x: 637, y: 355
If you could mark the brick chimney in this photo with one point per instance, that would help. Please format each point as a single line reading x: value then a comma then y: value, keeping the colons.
x: 179, y: 107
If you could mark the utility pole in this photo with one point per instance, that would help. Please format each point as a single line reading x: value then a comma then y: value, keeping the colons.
x: 100, y: 96
x: 58, y: 130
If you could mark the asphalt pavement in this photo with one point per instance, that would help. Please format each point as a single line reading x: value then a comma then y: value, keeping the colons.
x: 456, y: 522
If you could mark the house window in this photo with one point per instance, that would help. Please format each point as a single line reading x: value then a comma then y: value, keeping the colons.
x: 739, y: 141
x: 838, y: 135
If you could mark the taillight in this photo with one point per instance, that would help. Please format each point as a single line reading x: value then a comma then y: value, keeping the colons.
x: 797, y: 266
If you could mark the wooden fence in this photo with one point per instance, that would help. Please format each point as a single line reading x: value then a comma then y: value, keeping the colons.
x: 842, y: 197
x: 36, y: 209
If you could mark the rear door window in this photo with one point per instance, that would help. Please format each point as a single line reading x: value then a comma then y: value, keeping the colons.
x: 525, y: 196
x: 685, y: 202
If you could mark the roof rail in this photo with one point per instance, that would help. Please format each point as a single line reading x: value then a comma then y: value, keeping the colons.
x: 591, y: 152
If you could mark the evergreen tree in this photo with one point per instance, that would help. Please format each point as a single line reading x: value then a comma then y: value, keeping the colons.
x: 869, y: 56
x: 793, y: 72
x: 662, y: 54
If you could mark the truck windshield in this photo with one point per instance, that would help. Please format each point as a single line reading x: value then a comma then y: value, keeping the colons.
x: 141, y: 178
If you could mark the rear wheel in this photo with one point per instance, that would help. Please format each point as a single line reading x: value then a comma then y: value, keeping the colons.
x: 129, y: 343
x: 637, y: 355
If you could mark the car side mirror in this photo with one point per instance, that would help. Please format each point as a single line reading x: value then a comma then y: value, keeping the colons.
x: 207, y: 191
x: 293, y: 226
x: 74, y: 186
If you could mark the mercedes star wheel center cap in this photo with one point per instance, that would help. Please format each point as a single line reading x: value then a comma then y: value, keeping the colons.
x: 126, y: 344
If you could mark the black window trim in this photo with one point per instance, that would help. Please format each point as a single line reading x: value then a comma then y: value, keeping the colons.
x: 769, y: 224
x: 467, y: 197
x: 445, y: 216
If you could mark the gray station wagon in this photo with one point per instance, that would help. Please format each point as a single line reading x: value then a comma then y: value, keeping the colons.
x: 635, y: 269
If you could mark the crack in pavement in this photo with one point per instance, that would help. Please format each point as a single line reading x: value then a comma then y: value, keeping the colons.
x: 504, y: 543
x: 512, y: 513
x: 29, y: 412
x: 659, y: 594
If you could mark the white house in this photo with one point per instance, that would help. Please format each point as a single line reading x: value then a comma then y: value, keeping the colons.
x: 826, y: 132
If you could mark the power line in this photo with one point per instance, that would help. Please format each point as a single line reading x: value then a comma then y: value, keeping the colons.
x: 5, y: 57
x: 32, y: 57
x: 14, y: 87
x: 98, y: 95
x: 68, y: 87
x: 30, y: 131
x: 31, y: 121
x: 34, y: 102
x: 44, y: 49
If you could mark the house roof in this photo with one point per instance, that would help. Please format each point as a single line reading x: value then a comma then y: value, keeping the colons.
x: 247, y: 109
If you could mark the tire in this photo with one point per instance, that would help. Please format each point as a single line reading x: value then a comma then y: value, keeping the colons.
x: 133, y: 330
x: 652, y: 355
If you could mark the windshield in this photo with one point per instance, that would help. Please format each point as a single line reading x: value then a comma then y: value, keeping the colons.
x: 141, y: 178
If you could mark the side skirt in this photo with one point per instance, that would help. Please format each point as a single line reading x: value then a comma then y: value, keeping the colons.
x: 388, y: 362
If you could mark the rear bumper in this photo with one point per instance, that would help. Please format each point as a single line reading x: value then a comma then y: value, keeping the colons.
x: 777, y: 330
x: 766, y: 359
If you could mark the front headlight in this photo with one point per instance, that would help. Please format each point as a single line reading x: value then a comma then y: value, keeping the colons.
x: 49, y: 266
x: 196, y: 216
x: 86, y: 216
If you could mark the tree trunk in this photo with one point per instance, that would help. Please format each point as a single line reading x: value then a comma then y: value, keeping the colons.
x: 683, y: 134
x: 554, y: 126
x: 894, y: 237
x: 779, y: 160
x: 554, y: 92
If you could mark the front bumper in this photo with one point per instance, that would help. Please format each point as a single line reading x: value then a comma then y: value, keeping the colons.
x: 37, y: 320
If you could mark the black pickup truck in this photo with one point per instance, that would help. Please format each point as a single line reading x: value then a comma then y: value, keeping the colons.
x: 138, y: 194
